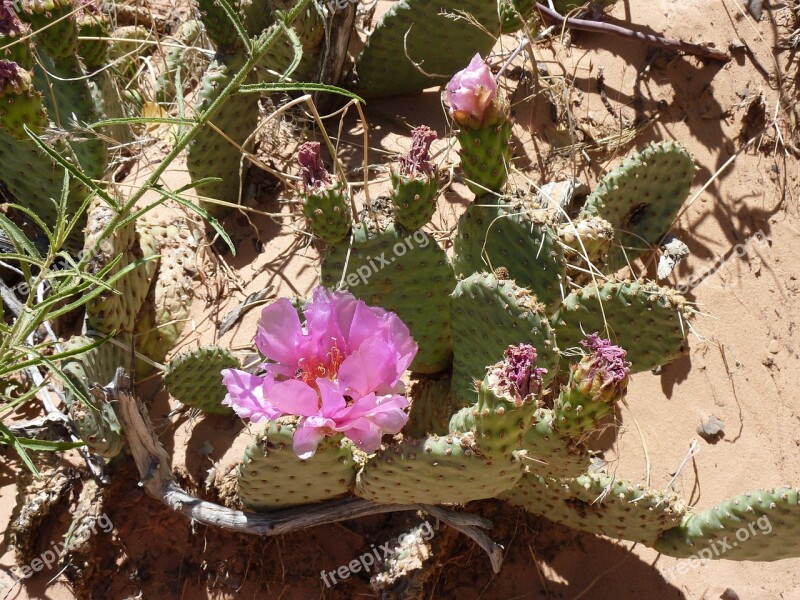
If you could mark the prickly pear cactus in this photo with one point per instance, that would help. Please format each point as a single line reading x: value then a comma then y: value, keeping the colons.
x: 416, y: 31
x: 415, y: 182
x: 92, y: 414
x: 408, y: 274
x: 271, y: 476
x: 431, y: 406
x: 487, y: 315
x: 641, y: 198
x: 516, y: 236
x: 649, y: 321
x: 760, y: 525
x: 194, y: 378
x: 180, y: 58
x: 325, y: 202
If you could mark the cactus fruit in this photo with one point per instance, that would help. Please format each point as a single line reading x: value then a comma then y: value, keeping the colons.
x: 405, y: 34
x: 406, y: 274
x: 740, y: 529
x: 484, y: 129
x: 12, y: 38
x: 507, y: 399
x: 641, y: 198
x: 94, y: 417
x: 449, y: 469
x: 596, y: 383
x: 180, y: 58
x: 487, y: 315
x: 601, y: 505
x: 116, y: 309
x: 194, y: 378
x: 271, y: 476
x: 513, y: 235
x: 21, y: 105
x: 416, y: 182
x: 210, y: 154
x: 649, y: 321
x: 324, y: 202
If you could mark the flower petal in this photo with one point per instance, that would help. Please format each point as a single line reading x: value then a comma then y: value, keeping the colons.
x: 246, y: 395
x: 371, y: 368
x: 332, y: 399
x: 294, y: 397
x: 365, y: 435
x: 306, y: 440
x: 280, y: 334
x: 323, y: 325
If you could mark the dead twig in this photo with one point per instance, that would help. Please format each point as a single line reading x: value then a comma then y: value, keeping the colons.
x: 645, y: 38
x: 159, y: 483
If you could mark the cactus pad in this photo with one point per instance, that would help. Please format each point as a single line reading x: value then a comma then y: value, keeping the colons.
x: 647, y: 320
x: 493, y: 234
x: 416, y: 30
x: 601, y: 505
x: 403, y: 273
x: 431, y: 406
x: 271, y: 476
x: 327, y: 213
x: 641, y: 198
x: 487, y: 316
x: 486, y: 156
x: 93, y: 415
x: 761, y: 525
x: 194, y: 378
x: 414, y: 199
x: 448, y: 469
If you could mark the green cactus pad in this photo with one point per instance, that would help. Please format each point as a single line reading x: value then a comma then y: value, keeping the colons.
x: 271, y: 476
x: 493, y: 234
x: 328, y: 213
x: 195, y: 378
x: 550, y: 454
x: 114, y: 310
x: 647, y: 320
x: 93, y: 416
x: 20, y: 104
x: 54, y: 26
x: 211, y: 155
x: 179, y: 59
x: 93, y: 24
x: 487, y: 316
x: 309, y: 26
x: 641, y: 198
x: 414, y: 199
x: 601, y: 505
x: 166, y: 308
x: 415, y: 285
x: 499, y: 425
x: 416, y: 30
x: 448, y: 469
x: 431, y: 406
x: 485, y: 156
x: 761, y: 525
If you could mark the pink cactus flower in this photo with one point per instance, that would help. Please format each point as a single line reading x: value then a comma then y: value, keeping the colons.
x: 472, y: 92
x: 339, y: 372
x: 315, y: 175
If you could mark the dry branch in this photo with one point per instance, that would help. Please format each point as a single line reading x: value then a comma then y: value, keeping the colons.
x: 645, y: 38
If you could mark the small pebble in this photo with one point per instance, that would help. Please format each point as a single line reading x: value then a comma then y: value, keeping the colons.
x: 774, y: 347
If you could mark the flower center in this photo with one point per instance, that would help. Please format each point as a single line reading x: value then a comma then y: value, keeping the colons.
x: 311, y: 369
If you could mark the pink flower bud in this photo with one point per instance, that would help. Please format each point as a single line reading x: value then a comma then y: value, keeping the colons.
x: 603, y: 372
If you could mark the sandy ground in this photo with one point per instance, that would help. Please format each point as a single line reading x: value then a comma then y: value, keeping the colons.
x: 743, y: 361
